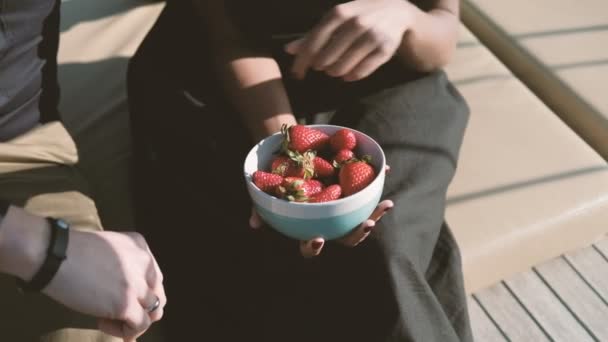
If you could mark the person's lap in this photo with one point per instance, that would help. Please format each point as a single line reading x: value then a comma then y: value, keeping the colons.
x: 36, y: 172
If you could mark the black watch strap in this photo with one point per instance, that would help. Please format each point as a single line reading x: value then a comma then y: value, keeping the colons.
x: 56, y: 254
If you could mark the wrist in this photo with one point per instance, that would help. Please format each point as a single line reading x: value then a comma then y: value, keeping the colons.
x: 24, y: 239
x: 273, y: 125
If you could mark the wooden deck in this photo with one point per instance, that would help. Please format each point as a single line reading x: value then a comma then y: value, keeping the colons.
x: 565, y: 299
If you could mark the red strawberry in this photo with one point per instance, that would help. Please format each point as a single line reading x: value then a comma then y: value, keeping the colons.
x: 300, y: 138
x: 294, y: 165
x: 344, y: 155
x: 267, y: 182
x: 284, y: 166
x: 323, y: 168
x: 297, y: 189
x: 343, y: 139
x: 355, y: 176
x: 314, y: 187
x: 331, y: 193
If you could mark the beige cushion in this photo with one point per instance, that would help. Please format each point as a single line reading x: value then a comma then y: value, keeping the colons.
x: 97, y: 39
x: 559, y: 48
x: 527, y: 188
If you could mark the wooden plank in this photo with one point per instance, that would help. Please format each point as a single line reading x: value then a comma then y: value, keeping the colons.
x: 576, y: 294
x: 509, y: 315
x: 484, y: 329
x: 593, y: 268
x: 602, y: 247
x: 546, y: 308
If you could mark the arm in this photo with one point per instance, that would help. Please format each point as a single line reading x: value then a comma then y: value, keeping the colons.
x: 431, y: 40
x: 356, y: 38
x: 111, y: 276
x: 251, y: 78
x: 23, y: 240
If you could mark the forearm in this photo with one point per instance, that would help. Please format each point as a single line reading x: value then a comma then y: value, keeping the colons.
x: 23, y: 241
x: 250, y: 78
x: 431, y: 40
x: 256, y: 88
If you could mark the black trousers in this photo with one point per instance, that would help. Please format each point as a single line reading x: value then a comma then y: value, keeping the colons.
x: 402, y: 284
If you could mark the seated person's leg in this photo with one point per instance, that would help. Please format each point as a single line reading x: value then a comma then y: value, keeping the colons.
x: 420, y: 126
x: 36, y: 172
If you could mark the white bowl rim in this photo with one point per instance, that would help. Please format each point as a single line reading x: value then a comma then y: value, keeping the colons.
x: 334, y: 202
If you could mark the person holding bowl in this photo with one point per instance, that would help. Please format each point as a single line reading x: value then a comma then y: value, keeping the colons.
x: 214, y: 77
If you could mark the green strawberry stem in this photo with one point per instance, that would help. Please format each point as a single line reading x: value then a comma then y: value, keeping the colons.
x: 305, y: 161
x: 286, y: 139
x: 365, y: 158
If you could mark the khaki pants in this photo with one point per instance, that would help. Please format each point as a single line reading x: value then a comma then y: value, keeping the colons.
x: 36, y: 172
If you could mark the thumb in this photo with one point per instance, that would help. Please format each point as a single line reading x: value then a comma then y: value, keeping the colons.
x: 311, y: 248
x: 255, y: 221
x: 294, y: 46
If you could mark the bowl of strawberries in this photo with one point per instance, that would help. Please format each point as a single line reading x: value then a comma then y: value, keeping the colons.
x: 316, y: 180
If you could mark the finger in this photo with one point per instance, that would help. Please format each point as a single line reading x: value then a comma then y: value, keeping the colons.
x: 110, y: 327
x: 341, y: 40
x: 153, y: 305
x: 382, y: 209
x: 316, y: 39
x: 387, y: 169
x: 311, y: 248
x: 255, y: 221
x: 368, y: 65
x: 357, y: 52
x: 359, y: 234
x: 293, y: 47
x: 136, y: 321
x: 154, y: 280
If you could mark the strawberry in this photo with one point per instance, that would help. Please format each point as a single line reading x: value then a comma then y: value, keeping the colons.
x: 343, y: 139
x: 323, y: 168
x: 355, y: 176
x: 331, y: 193
x: 267, y: 182
x: 343, y: 155
x: 294, y: 164
x: 285, y: 166
x: 298, y: 190
x: 300, y: 138
x: 314, y: 187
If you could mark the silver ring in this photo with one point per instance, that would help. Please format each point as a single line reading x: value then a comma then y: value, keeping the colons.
x: 154, y: 306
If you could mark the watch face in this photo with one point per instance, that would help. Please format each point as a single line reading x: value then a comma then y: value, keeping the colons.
x: 62, y: 224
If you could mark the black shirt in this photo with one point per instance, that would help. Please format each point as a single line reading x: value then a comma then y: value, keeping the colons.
x: 29, y: 37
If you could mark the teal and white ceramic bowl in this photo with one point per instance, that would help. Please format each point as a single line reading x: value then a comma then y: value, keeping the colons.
x: 304, y: 221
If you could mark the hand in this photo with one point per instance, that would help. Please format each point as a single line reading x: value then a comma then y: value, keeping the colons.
x: 314, y: 246
x: 112, y: 276
x: 354, y: 39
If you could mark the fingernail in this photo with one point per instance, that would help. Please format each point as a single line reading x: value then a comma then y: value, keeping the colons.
x: 317, y: 245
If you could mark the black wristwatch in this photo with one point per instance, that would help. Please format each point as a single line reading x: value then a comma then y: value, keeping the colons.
x: 55, y: 255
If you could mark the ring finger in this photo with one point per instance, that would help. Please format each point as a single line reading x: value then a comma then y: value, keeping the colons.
x: 153, y: 306
x: 357, y: 52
